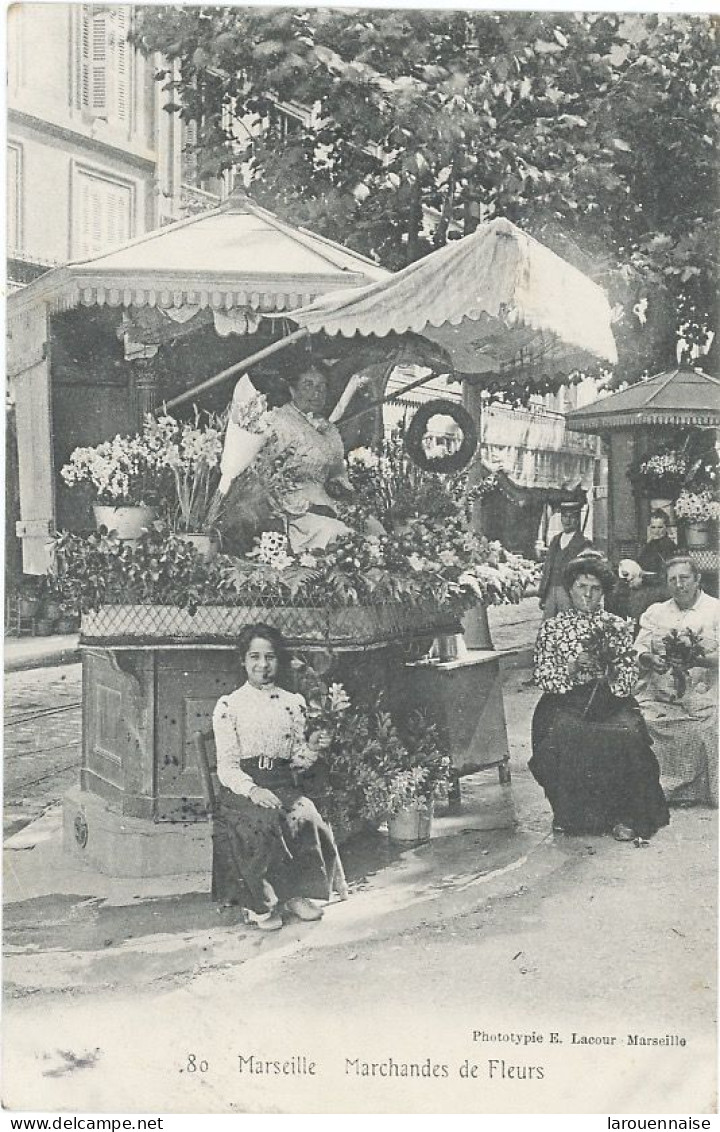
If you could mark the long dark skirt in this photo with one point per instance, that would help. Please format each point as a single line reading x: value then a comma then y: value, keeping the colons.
x: 265, y: 856
x: 596, y: 763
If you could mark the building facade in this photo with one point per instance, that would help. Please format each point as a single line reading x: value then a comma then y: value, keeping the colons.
x: 92, y: 158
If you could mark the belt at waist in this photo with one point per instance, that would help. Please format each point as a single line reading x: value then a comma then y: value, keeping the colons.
x: 266, y: 771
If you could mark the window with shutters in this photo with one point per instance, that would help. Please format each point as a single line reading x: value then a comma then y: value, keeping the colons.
x: 14, y: 197
x: 106, y: 58
x: 102, y: 213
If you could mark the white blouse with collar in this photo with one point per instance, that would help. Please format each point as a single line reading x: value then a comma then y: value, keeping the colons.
x: 254, y: 722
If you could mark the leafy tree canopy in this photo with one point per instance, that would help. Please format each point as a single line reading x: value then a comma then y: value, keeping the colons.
x: 596, y: 133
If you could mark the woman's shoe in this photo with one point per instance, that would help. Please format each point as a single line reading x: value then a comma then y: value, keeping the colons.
x: 269, y: 922
x: 624, y: 833
x: 302, y: 909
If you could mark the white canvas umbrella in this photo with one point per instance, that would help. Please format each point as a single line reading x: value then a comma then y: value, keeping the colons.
x: 497, y: 301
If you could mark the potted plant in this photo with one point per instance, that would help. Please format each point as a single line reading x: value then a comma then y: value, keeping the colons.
x: 97, y: 569
x: 124, y: 477
x: 697, y: 509
x: 28, y: 599
x: 378, y: 769
x: 188, y: 453
x: 660, y: 475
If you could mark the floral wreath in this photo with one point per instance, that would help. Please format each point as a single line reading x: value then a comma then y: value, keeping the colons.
x: 453, y: 461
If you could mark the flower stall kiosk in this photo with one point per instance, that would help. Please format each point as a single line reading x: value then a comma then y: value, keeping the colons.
x: 162, y: 603
x: 662, y: 438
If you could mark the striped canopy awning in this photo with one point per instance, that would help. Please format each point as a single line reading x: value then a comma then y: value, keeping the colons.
x: 497, y: 302
x: 682, y: 396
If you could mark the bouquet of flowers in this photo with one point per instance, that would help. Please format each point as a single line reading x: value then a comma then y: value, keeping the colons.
x: 375, y: 767
x: 388, y: 485
x: 189, y: 454
x: 498, y: 577
x: 697, y: 507
x: 123, y: 472
x: 661, y: 473
x: 683, y: 650
x: 609, y: 642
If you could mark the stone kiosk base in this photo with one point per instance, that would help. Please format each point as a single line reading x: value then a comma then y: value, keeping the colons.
x: 151, y: 678
x: 97, y: 832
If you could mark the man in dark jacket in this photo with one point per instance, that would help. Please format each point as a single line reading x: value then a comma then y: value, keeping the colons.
x: 563, y: 548
x: 658, y: 548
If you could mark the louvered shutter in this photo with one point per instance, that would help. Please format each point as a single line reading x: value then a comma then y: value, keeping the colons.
x: 104, y: 214
x: 120, y: 61
x: 85, y: 54
x: 99, y: 77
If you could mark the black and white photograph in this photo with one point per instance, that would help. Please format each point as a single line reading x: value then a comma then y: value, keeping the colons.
x: 362, y: 490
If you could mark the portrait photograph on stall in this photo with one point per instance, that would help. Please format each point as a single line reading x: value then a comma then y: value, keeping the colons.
x: 361, y: 562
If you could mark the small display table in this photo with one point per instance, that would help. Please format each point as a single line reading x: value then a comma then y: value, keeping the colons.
x: 467, y: 697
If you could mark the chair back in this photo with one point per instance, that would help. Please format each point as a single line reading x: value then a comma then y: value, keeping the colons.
x: 204, y: 743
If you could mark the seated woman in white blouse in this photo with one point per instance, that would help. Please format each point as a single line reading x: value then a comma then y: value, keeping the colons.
x: 683, y: 726
x: 272, y: 850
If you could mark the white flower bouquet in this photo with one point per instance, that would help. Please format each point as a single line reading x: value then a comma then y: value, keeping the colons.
x: 188, y: 452
x: 122, y: 472
x: 697, y: 507
x: 500, y: 577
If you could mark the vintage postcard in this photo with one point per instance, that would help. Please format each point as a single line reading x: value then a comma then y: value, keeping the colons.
x: 361, y: 528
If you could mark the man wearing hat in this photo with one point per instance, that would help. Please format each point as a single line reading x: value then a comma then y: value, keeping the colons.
x: 563, y: 548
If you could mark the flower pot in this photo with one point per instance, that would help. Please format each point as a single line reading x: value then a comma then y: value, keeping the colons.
x: 697, y: 535
x: 413, y: 824
x: 205, y: 545
x: 476, y: 630
x: 127, y: 522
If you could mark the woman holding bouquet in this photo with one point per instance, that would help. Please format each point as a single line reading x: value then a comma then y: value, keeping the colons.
x: 300, y: 434
x: 677, y: 650
x: 272, y: 850
x: 592, y: 754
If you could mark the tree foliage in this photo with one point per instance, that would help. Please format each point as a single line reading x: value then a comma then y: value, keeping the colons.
x: 596, y: 133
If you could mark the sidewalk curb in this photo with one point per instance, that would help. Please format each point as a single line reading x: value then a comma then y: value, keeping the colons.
x: 49, y: 658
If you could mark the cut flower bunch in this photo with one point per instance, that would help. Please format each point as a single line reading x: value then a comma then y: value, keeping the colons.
x: 375, y: 768
x: 121, y: 472
x: 188, y: 454
x: 173, y: 465
x: 697, y: 507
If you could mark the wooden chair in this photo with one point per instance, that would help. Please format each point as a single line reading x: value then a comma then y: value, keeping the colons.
x: 204, y: 743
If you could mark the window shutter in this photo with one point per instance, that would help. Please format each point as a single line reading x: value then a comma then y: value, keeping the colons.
x: 98, y: 65
x: 121, y: 69
x: 103, y: 214
x: 85, y: 53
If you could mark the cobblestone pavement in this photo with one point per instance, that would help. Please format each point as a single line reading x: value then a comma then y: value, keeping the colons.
x: 42, y: 735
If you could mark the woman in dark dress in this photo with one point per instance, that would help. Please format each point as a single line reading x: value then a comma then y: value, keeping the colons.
x: 272, y: 850
x: 592, y: 754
